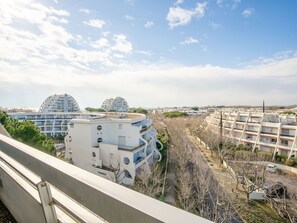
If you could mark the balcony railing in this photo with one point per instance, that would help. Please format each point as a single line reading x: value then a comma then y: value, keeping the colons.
x: 286, y: 134
x: 269, y: 133
x: 56, y: 191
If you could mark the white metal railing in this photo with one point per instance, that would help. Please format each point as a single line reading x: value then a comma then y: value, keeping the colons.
x: 65, y: 193
x: 56, y: 205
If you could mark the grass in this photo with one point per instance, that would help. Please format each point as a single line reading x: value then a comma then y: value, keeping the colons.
x: 259, y: 212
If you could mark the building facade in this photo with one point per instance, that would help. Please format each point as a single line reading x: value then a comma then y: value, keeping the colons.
x: 51, y: 123
x: 53, y: 115
x: 114, y: 146
x: 117, y: 104
x: 264, y: 131
x: 59, y: 103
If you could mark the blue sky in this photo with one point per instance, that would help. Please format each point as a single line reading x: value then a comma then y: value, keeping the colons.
x: 153, y: 53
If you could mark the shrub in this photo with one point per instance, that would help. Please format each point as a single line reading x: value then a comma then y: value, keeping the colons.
x: 174, y: 114
x: 290, y: 162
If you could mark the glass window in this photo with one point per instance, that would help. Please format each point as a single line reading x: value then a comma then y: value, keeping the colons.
x: 126, y: 160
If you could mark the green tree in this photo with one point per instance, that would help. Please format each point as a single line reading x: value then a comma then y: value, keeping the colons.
x: 28, y: 133
x: 140, y: 110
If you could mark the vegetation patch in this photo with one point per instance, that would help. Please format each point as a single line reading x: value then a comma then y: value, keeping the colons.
x: 140, y: 110
x: 174, y: 114
x: 28, y: 133
x: 259, y: 212
x: 89, y: 109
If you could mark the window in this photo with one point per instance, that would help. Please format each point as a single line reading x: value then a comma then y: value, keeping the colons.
x: 120, y: 126
x: 99, y: 140
x: 285, y: 142
x: 99, y: 127
x: 126, y: 160
x: 93, y: 154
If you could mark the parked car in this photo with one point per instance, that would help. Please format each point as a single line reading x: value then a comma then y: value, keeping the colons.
x: 271, y: 168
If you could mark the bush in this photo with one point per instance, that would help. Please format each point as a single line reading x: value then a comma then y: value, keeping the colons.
x: 280, y: 158
x: 174, y: 114
x: 140, y: 110
x: 291, y: 162
x: 265, y: 156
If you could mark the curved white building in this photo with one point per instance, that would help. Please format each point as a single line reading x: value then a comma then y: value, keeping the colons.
x: 59, y: 103
x: 265, y: 131
x: 107, y: 104
x: 114, y: 146
x: 51, y: 123
x: 54, y: 114
x: 117, y: 104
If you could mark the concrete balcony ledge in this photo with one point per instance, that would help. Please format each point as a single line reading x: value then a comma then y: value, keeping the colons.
x: 110, y: 201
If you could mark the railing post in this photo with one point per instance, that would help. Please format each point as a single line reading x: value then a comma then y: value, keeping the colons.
x: 47, y: 202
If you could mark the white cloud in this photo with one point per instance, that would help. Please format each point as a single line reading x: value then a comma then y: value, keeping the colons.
x: 97, y: 23
x: 228, y: 3
x: 178, y: 16
x: 215, y: 26
x: 189, y: 40
x: 149, y: 24
x: 178, y: 2
x: 50, y: 44
x: 122, y: 44
x: 248, y: 12
x: 101, y: 43
x: 144, y: 52
x: 175, y: 84
x: 235, y: 3
x: 220, y: 3
x: 129, y: 17
x: 59, y: 20
x: 86, y: 11
x: 105, y: 33
x: 172, y: 49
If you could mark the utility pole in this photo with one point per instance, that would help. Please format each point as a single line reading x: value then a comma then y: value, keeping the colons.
x: 221, y: 132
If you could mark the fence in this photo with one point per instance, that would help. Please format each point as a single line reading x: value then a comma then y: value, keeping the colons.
x: 37, y: 187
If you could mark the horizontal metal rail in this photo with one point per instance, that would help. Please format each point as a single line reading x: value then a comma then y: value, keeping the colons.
x: 80, y: 196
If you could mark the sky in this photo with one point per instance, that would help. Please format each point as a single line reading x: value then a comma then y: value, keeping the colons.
x: 153, y: 53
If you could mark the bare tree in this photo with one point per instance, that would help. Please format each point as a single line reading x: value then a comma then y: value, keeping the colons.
x: 149, y: 183
x: 249, y: 178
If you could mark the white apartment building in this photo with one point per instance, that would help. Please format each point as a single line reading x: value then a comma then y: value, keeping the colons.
x: 265, y: 131
x: 117, y: 104
x: 51, y: 123
x: 59, y: 103
x: 114, y: 146
x: 54, y: 114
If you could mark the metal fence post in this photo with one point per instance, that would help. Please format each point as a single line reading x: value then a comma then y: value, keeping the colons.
x: 47, y: 202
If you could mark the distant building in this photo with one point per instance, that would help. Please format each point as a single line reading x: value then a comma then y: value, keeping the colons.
x: 59, y: 103
x: 51, y: 123
x: 265, y: 131
x: 114, y: 146
x: 107, y: 104
x: 117, y: 104
x: 54, y: 114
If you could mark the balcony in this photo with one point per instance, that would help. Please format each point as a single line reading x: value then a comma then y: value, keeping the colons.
x: 80, y: 197
x: 286, y: 135
x: 269, y: 133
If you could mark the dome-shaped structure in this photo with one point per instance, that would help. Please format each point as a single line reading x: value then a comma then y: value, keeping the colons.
x: 59, y: 103
x: 117, y: 104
